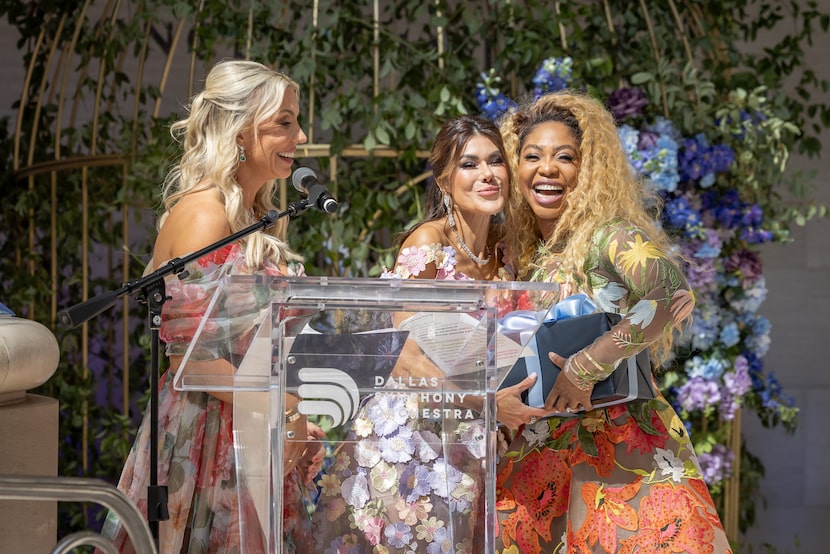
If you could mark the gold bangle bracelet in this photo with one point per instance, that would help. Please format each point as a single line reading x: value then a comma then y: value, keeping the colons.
x: 594, y: 362
x: 292, y: 415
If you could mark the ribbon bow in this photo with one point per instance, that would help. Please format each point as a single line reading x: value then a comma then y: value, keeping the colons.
x: 524, y: 323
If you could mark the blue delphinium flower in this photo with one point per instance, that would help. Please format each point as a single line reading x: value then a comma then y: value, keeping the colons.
x: 680, y: 214
x: 699, y: 162
x: 491, y: 101
x: 552, y: 76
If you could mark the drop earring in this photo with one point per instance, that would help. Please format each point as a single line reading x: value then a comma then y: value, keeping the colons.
x: 448, y: 206
x: 242, y: 157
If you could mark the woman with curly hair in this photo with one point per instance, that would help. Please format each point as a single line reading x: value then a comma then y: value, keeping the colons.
x: 623, y: 478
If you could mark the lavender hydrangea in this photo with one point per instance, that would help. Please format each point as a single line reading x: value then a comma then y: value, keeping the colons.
x: 717, y: 464
x: 698, y: 393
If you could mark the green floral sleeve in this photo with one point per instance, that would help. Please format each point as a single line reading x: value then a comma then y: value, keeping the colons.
x: 631, y: 275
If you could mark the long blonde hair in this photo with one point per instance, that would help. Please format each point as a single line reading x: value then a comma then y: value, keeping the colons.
x: 238, y: 96
x: 607, y: 187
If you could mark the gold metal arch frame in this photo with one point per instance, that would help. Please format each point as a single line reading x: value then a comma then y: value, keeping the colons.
x: 62, y: 86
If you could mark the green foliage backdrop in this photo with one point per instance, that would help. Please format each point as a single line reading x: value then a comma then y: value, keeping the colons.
x: 382, y: 81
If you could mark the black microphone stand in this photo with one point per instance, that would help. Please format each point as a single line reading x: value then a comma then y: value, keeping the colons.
x: 150, y: 290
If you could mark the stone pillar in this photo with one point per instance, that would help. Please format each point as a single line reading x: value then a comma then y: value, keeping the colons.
x: 29, y: 355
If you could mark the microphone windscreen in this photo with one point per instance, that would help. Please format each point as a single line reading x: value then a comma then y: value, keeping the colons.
x: 301, y: 175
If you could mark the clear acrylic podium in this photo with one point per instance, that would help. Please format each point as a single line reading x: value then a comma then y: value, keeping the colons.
x: 335, y: 343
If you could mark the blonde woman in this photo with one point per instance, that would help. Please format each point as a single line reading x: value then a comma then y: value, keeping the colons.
x: 239, y: 136
x: 624, y: 478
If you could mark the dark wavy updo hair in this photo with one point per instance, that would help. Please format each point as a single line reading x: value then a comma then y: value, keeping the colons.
x: 446, y: 151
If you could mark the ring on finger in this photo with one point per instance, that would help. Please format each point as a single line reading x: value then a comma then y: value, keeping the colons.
x: 532, y: 420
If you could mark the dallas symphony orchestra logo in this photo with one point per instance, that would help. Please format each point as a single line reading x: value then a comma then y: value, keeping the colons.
x: 331, y: 392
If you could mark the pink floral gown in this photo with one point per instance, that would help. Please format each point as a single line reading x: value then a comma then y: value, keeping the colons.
x: 624, y: 479
x: 407, y: 476
x: 196, y: 458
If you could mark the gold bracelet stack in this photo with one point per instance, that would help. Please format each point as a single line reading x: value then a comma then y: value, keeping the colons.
x: 576, y: 374
x: 600, y: 370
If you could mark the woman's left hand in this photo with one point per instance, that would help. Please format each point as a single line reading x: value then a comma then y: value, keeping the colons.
x: 312, y: 460
x: 565, y: 396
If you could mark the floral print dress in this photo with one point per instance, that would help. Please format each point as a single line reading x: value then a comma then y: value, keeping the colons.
x: 624, y: 479
x: 196, y: 458
x: 403, y: 482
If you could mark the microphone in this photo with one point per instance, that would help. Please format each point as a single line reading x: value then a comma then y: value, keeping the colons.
x: 305, y: 181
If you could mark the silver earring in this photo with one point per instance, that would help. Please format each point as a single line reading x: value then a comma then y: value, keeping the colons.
x: 242, y: 157
x: 448, y: 206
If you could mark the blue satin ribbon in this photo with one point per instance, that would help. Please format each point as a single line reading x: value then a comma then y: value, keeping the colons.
x: 526, y: 322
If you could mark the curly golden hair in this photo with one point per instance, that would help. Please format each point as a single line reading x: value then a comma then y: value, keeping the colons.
x: 607, y: 187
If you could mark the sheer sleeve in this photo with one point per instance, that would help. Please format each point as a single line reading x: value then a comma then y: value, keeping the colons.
x: 631, y: 275
x: 413, y: 260
x: 234, y: 310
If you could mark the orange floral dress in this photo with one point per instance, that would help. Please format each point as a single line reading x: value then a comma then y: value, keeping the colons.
x: 623, y: 479
x: 196, y: 457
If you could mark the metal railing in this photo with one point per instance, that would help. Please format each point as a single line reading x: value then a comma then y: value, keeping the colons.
x: 82, y: 489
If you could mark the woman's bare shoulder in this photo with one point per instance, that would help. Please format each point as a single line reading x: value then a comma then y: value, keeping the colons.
x: 431, y: 232
x: 196, y: 221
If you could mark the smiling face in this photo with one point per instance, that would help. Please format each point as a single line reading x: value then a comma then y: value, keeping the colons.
x: 548, y: 168
x: 270, y: 154
x: 479, y: 180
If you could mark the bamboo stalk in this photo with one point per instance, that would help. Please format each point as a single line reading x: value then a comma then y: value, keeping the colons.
x: 315, y: 12
x: 440, y: 38
x: 732, y: 516
x: 250, y: 31
x: 192, y: 76
x: 376, y: 51
x: 679, y: 23
x: 656, y: 51
x: 609, y: 21
x: 167, y: 64
x: 562, y: 36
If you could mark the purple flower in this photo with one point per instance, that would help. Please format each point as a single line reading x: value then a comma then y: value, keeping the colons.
x: 355, y: 491
x: 398, y: 447
x: 441, y: 542
x: 697, y: 393
x: 388, y: 412
x: 414, y: 482
x: 444, y: 478
x: 717, y: 464
x: 338, y: 546
x: 746, y: 263
x: 647, y: 140
x: 627, y: 102
x: 398, y: 534
x: 737, y: 381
